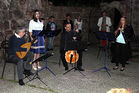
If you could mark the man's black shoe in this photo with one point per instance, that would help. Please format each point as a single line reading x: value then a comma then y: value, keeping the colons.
x: 80, y: 69
x: 21, y: 82
x: 52, y: 49
x: 48, y: 49
x: 66, y: 68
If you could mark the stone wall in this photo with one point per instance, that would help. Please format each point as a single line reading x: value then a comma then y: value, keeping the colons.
x: 16, y: 12
x: 135, y: 17
x: 132, y: 12
x: 125, y: 7
x: 19, y: 12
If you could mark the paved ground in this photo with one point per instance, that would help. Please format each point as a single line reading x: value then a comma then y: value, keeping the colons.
x: 74, y: 82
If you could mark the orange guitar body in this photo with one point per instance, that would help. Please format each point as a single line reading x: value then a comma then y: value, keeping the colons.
x: 75, y: 56
x: 23, y: 54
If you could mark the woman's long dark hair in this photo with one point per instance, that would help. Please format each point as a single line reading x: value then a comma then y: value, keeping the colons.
x: 120, y: 24
x: 34, y: 15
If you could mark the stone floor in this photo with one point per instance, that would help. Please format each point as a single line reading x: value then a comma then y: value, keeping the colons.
x: 74, y: 82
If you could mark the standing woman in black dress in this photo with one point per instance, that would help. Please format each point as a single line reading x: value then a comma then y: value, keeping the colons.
x: 124, y: 35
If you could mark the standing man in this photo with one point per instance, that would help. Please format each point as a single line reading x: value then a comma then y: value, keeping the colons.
x: 104, y: 24
x: 69, y: 41
x: 67, y: 21
x: 51, y: 27
x: 14, y: 44
x: 78, y: 22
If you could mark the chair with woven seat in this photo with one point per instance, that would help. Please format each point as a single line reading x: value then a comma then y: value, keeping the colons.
x: 4, y: 46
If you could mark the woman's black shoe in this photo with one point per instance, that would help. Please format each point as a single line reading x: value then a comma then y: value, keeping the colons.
x: 21, y: 82
x: 51, y: 49
x: 85, y: 50
x: 122, y: 69
x: 115, y: 68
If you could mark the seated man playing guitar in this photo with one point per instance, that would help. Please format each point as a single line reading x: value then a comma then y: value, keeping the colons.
x: 14, y: 44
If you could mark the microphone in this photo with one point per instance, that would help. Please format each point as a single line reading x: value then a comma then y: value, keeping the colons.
x: 71, y: 56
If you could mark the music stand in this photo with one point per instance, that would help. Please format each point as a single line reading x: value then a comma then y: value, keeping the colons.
x: 47, y: 67
x: 36, y: 75
x: 46, y: 32
x: 50, y: 33
x: 108, y: 37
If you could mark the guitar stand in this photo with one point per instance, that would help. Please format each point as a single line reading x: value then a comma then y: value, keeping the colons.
x: 74, y: 64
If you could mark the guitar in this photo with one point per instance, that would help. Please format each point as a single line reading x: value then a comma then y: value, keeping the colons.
x: 71, y: 56
x: 26, y: 45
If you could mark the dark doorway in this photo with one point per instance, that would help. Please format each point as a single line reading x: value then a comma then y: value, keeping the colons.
x: 117, y: 16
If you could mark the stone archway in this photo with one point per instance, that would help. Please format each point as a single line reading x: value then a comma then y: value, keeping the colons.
x: 117, y: 16
x: 94, y: 15
x: 112, y: 10
x: 114, y: 5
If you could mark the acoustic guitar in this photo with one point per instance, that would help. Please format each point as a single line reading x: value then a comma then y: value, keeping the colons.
x: 71, y: 56
x: 26, y: 45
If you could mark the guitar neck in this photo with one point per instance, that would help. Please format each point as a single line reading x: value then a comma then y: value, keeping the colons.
x: 34, y: 39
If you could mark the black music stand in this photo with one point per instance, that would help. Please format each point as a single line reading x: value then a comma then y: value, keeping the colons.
x: 36, y: 75
x: 108, y: 37
x: 47, y: 68
x: 49, y: 33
